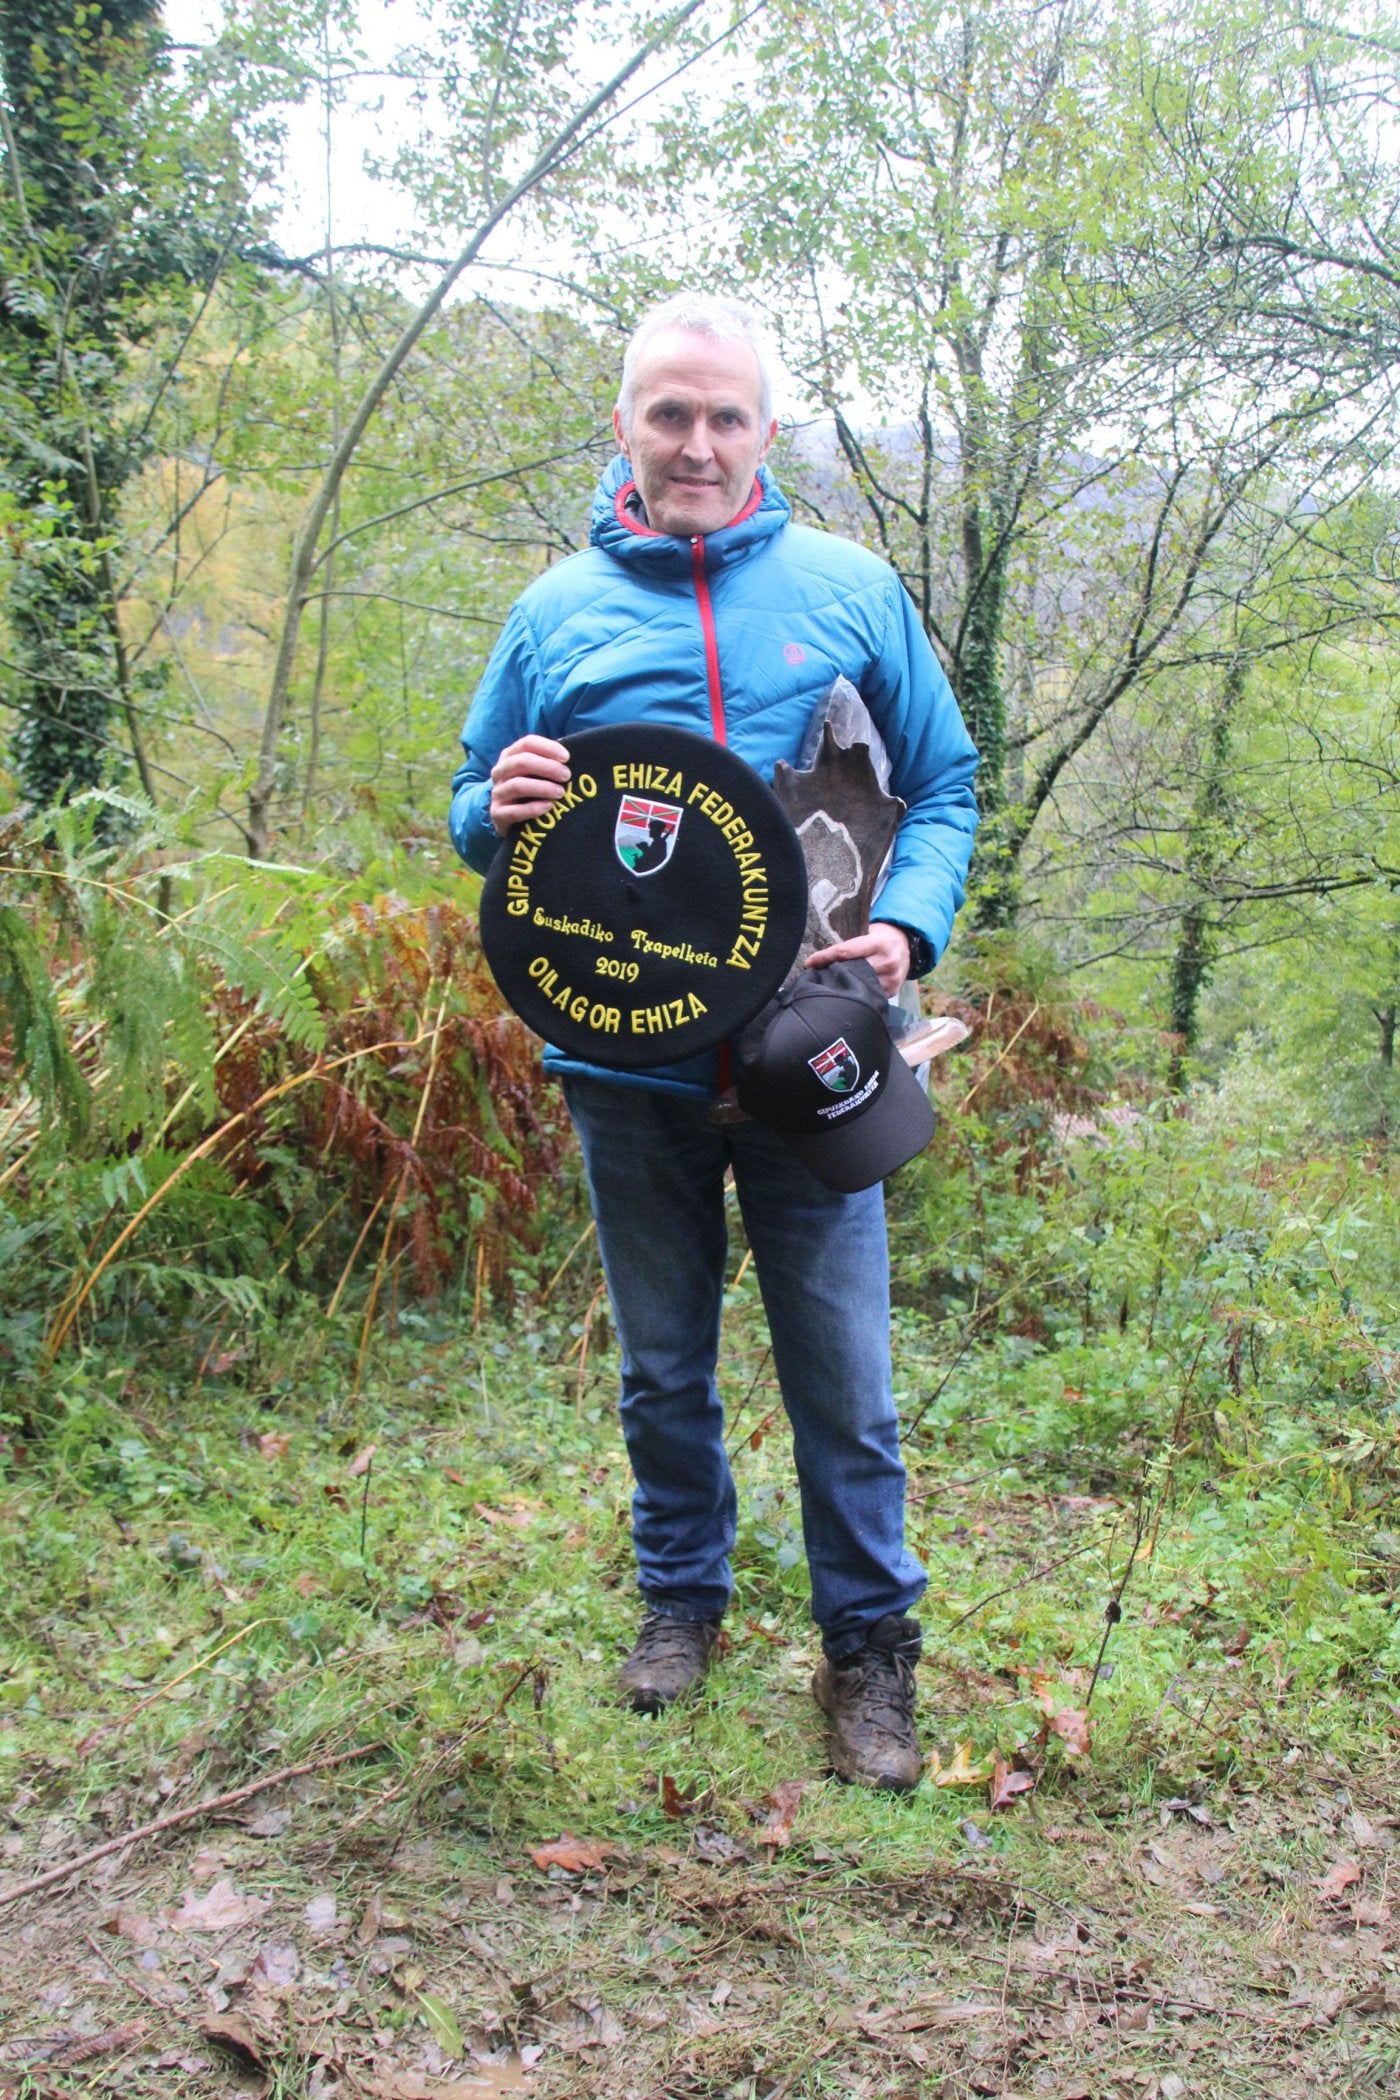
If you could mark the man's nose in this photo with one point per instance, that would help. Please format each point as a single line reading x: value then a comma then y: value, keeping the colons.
x: 697, y: 441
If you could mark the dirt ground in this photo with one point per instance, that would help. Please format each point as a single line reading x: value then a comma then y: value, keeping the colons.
x: 319, y: 1943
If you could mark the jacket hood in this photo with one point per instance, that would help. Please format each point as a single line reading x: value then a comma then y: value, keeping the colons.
x: 619, y: 526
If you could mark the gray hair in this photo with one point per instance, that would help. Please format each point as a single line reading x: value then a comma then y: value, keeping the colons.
x: 696, y: 313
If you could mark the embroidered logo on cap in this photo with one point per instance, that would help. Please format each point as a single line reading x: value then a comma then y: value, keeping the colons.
x: 836, y: 1066
x: 645, y: 834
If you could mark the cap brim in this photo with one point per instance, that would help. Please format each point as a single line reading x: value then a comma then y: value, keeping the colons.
x: 892, y: 1131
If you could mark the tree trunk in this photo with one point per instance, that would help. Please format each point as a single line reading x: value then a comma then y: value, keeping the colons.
x: 1189, y: 974
x: 69, y: 682
x: 1195, y: 947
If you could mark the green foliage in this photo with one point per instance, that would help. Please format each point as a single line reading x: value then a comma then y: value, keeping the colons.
x: 106, y: 217
x: 39, y: 1045
x: 136, y: 989
x: 259, y: 1067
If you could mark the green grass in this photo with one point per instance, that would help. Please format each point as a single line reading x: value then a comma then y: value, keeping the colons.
x: 1203, y: 1424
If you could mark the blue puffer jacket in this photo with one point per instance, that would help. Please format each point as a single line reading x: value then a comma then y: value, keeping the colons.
x: 738, y: 635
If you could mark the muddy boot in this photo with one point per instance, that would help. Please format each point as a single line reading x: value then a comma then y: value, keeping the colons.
x: 671, y: 1655
x: 869, y: 1699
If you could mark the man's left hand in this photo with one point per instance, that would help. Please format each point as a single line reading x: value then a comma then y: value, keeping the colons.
x: 885, y: 948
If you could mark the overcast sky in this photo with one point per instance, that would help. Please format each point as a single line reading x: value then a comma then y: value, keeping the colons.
x: 371, y: 115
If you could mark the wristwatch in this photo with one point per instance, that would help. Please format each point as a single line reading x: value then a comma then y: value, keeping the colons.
x: 921, y: 955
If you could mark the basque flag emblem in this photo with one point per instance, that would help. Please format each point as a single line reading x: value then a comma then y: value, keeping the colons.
x: 836, y: 1066
x: 645, y: 833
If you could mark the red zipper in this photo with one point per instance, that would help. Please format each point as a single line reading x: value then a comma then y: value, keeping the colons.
x: 707, y: 628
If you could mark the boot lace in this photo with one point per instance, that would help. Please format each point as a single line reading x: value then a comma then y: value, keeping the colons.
x: 662, y: 1639
x: 880, y: 1683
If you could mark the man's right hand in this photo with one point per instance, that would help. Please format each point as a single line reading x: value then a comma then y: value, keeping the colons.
x: 528, y: 776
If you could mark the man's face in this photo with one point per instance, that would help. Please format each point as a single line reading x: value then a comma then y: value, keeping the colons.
x: 695, y: 438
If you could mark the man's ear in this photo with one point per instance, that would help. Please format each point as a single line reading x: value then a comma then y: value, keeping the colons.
x: 772, y: 433
x: 621, y: 434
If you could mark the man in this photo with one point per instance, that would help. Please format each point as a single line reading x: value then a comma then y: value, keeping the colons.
x: 700, y: 605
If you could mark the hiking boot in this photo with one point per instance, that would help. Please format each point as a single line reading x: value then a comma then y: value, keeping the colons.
x: 869, y: 1700
x: 671, y: 1655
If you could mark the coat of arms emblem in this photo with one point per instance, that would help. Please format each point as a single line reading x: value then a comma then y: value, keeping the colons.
x: 645, y: 833
x: 836, y: 1066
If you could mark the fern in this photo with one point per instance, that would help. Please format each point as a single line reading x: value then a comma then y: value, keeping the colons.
x: 144, y: 991
x: 29, y: 1011
x: 256, y: 958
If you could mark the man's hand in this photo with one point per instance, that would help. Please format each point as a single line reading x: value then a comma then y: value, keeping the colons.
x: 885, y: 948
x: 528, y: 776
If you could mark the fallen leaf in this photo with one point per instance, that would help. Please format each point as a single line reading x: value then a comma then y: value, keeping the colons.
x: 784, y: 1799
x: 673, y: 1801
x: 274, y: 1443
x: 1071, y: 1725
x: 219, y: 1911
x: 134, y: 1925
x: 185, y: 2060
x: 320, y: 1913
x: 596, y: 2027
x: 1338, y: 1879
x: 277, y: 1967
x: 1180, y: 1806
x: 959, y: 1771
x: 572, y: 1855
x: 233, y: 1971
x: 80, y: 2048
x: 451, y: 1473
x: 272, y: 1823
x: 362, y: 1461
x: 519, y: 1517
x: 974, y: 1835
x: 232, y: 2033
x: 417, y: 2085
x: 371, y: 1918
x: 439, y: 2016
x: 717, y: 1846
x: 1007, y: 1784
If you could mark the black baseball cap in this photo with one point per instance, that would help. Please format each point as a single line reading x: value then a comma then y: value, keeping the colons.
x: 820, y: 1067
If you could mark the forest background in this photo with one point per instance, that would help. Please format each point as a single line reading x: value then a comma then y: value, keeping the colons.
x: 1089, y: 317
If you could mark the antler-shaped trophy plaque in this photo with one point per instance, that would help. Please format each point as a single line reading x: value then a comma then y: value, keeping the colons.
x: 846, y: 823
x: 838, y: 802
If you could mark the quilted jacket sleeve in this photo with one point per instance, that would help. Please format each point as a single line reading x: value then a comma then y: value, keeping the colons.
x: 932, y: 762
x: 505, y: 707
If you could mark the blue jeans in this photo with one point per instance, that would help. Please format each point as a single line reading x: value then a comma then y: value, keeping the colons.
x: 656, y: 1168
